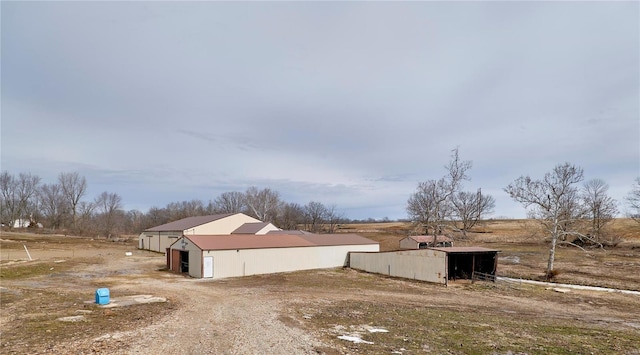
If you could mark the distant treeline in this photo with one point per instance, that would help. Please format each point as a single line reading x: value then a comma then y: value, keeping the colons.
x: 63, y: 206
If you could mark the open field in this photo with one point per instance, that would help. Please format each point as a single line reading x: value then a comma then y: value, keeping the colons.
x: 306, y: 312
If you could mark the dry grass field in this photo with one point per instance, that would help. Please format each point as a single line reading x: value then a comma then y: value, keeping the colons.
x: 306, y: 312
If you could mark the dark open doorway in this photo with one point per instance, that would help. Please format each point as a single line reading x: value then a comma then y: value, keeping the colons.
x: 463, y: 265
x: 184, y: 261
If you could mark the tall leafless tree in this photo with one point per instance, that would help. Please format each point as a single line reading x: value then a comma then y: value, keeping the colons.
x: 74, y: 187
x: 262, y: 204
x: 108, y: 205
x: 19, y: 197
x: 431, y: 206
x: 10, y: 201
x: 333, y: 218
x: 28, y: 185
x: 315, y: 216
x: 230, y: 202
x: 53, y: 205
x: 179, y: 210
x: 600, y: 208
x: 633, y: 200
x: 551, y: 200
x: 291, y: 215
x: 85, y: 218
x: 471, y: 207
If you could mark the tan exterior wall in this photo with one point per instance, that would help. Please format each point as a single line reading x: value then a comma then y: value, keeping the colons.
x: 160, y: 241
x: 195, y: 257
x: 157, y: 241
x: 408, y: 243
x: 222, y: 226
x: 245, y: 262
x: 423, y: 264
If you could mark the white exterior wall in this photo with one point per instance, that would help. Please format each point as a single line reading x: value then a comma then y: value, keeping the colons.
x: 423, y: 264
x: 157, y: 241
x: 244, y: 262
x: 222, y: 226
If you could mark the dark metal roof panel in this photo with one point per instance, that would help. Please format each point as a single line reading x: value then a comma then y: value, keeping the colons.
x: 250, y: 228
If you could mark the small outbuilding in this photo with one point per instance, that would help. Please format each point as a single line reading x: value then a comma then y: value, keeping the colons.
x: 159, y: 238
x: 221, y: 256
x: 425, y: 241
x: 439, y: 265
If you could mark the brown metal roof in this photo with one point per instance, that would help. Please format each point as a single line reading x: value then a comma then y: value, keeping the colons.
x: 251, y: 241
x: 429, y: 238
x: 337, y: 239
x: 288, y: 232
x: 461, y: 250
x: 250, y: 228
x: 187, y: 223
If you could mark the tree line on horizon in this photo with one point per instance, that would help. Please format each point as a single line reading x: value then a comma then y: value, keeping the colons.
x: 437, y: 206
x: 62, y: 206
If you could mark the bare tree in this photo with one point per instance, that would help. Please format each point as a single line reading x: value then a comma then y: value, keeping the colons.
x: 229, y: 202
x: 10, y: 201
x: 550, y: 200
x: 315, y: 216
x: 85, y: 217
x: 155, y: 216
x: 74, y: 188
x: 179, y: 210
x: 290, y: 216
x: 108, y: 205
x: 19, y: 197
x: 633, y: 200
x: 28, y: 185
x: 469, y: 208
x: 333, y: 218
x: 52, y: 204
x: 134, y: 221
x: 600, y: 208
x: 431, y: 204
x: 262, y: 204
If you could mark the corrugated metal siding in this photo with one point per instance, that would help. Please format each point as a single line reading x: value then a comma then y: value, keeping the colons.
x: 157, y: 241
x: 233, y: 263
x: 222, y: 226
x: 425, y: 265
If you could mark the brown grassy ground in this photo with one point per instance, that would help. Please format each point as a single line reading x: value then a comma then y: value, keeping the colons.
x: 480, y: 318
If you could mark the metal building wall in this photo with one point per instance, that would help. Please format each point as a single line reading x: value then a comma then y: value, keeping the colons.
x: 245, y: 262
x: 423, y: 264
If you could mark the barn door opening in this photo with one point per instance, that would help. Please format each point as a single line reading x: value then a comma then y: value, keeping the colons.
x: 184, y: 261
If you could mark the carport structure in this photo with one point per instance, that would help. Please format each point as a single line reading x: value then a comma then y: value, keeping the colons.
x: 439, y: 265
x: 463, y: 262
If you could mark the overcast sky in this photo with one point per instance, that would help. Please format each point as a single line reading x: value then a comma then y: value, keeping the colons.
x: 346, y: 103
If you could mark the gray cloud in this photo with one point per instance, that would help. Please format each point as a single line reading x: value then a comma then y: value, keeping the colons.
x: 347, y: 103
